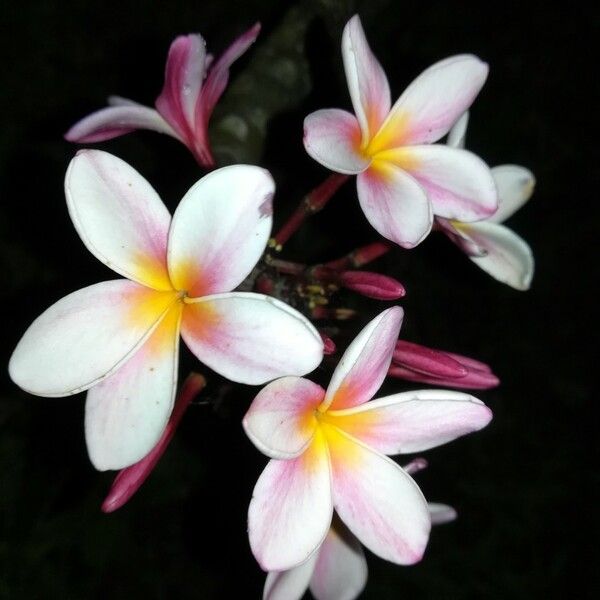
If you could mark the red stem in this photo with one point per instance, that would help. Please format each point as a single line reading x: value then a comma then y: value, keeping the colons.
x: 361, y: 256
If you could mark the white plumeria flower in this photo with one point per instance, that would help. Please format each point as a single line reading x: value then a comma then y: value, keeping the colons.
x: 495, y: 248
x: 338, y: 570
x: 328, y: 450
x: 120, y: 338
x: 404, y: 179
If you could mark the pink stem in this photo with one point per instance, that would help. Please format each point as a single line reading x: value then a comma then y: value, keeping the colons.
x: 361, y: 256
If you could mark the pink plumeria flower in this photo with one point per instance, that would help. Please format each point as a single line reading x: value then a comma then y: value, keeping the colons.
x: 338, y: 570
x: 495, y: 248
x: 328, y: 450
x: 402, y: 178
x: 119, y: 339
x: 194, y: 83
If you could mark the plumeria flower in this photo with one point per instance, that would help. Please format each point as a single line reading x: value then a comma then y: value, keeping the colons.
x: 119, y: 339
x: 328, y: 451
x: 402, y: 178
x: 495, y: 248
x: 338, y: 570
x: 194, y: 83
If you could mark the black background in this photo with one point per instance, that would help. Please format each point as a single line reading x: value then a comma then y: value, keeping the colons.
x: 522, y: 487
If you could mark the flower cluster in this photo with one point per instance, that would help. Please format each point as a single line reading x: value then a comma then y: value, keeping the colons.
x: 211, y: 274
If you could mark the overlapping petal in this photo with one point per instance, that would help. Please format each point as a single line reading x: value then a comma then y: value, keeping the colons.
x: 250, y: 338
x: 441, y: 513
x: 380, y: 503
x: 86, y: 336
x: 126, y: 413
x: 332, y: 137
x: 364, y: 365
x: 119, y: 217
x: 458, y: 134
x: 515, y: 185
x: 220, y: 230
x: 291, y: 508
x: 395, y: 204
x: 281, y: 421
x: 413, y: 421
x: 367, y: 83
x: 290, y: 584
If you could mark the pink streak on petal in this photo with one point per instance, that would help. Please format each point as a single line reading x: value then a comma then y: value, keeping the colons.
x: 129, y: 480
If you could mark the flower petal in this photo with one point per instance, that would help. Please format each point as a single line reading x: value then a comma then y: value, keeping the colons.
x: 119, y: 217
x: 441, y: 513
x: 126, y: 413
x: 413, y: 421
x: 85, y: 336
x: 290, y: 584
x: 458, y: 237
x: 367, y: 83
x: 341, y: 569
x: 113, y: 121
x: 508, y: 257
x: 515, y: 185
x: 395, y: 204
x: 432, y: 103
x: 364, y: 365
x: 250, y: 338
x: 380, y: 503
x: 220, y: 230
x: 332, y: 138
x: 458, y: 133
x: 291, y: 508
x: 281, y: 422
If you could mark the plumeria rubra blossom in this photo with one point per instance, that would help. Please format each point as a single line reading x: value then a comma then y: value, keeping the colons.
x: 328, y: 451
x: 403, y: 179
x: 414, y: 362
x: 120, y: 338
x: 496, y: 249
x: 338, y: 569
x: 194, y: 83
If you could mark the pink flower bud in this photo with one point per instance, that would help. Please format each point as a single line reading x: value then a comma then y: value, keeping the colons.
x: 328, y: 344
x: 372, y: 285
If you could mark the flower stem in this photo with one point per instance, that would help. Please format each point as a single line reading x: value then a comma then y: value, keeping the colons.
x: 361, y: 256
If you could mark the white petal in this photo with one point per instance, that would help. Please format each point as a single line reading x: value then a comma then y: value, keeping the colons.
x: 515, y: 185
x: 290, y: 584
x: 458, y: 133
x: 220, y: 230
x: 119, y: 217
x: 441, y: 513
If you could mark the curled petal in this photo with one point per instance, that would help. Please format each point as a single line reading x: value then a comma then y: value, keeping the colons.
x: 413, y: 421
x: 290, y: 584
x: 281, y: 421
x: 441, y: 513
x: 395, y: 204
x: 126, y: 413
x: 250, y: 338
x: 119, y: 217
x: 458, y: 133
x: 364, y: 365
x: 515, y: 185
x: 367, y: 83
x: 291, y: 508
x: 332, y: 138
x: 458, y: 183
x: 220, y: 230
x: 380, y: 503
x: 508, y: 258
x: 86, y: 336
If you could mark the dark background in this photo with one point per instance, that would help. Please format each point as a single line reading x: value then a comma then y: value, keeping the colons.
x: 522, y: 487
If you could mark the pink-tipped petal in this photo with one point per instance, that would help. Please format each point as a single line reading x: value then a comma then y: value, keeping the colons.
x: 457, y: 182
x: 86, y: 336
x: 332, y: 138
x: 280, y: 421
x: 341, y: 569
x: 427, y: 360
x: 395, y: 204
x: 126, y: 413
x: 380, y: 503
x: 129, y: 480
x: 413, y: 421
x: 113, y: 121
x: 433, y: 102
x: 458, y: 134
x: 508, y: 257
x: 364, y: 365
x: 290, y: 584
x: 119, y: 217
x: 291, y: 508
x: 250, y: 338
x: 515, y: 185
x: 367, y: 83
x: 441, y: 513
x: 372, y: 285
x: 220, y: 230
